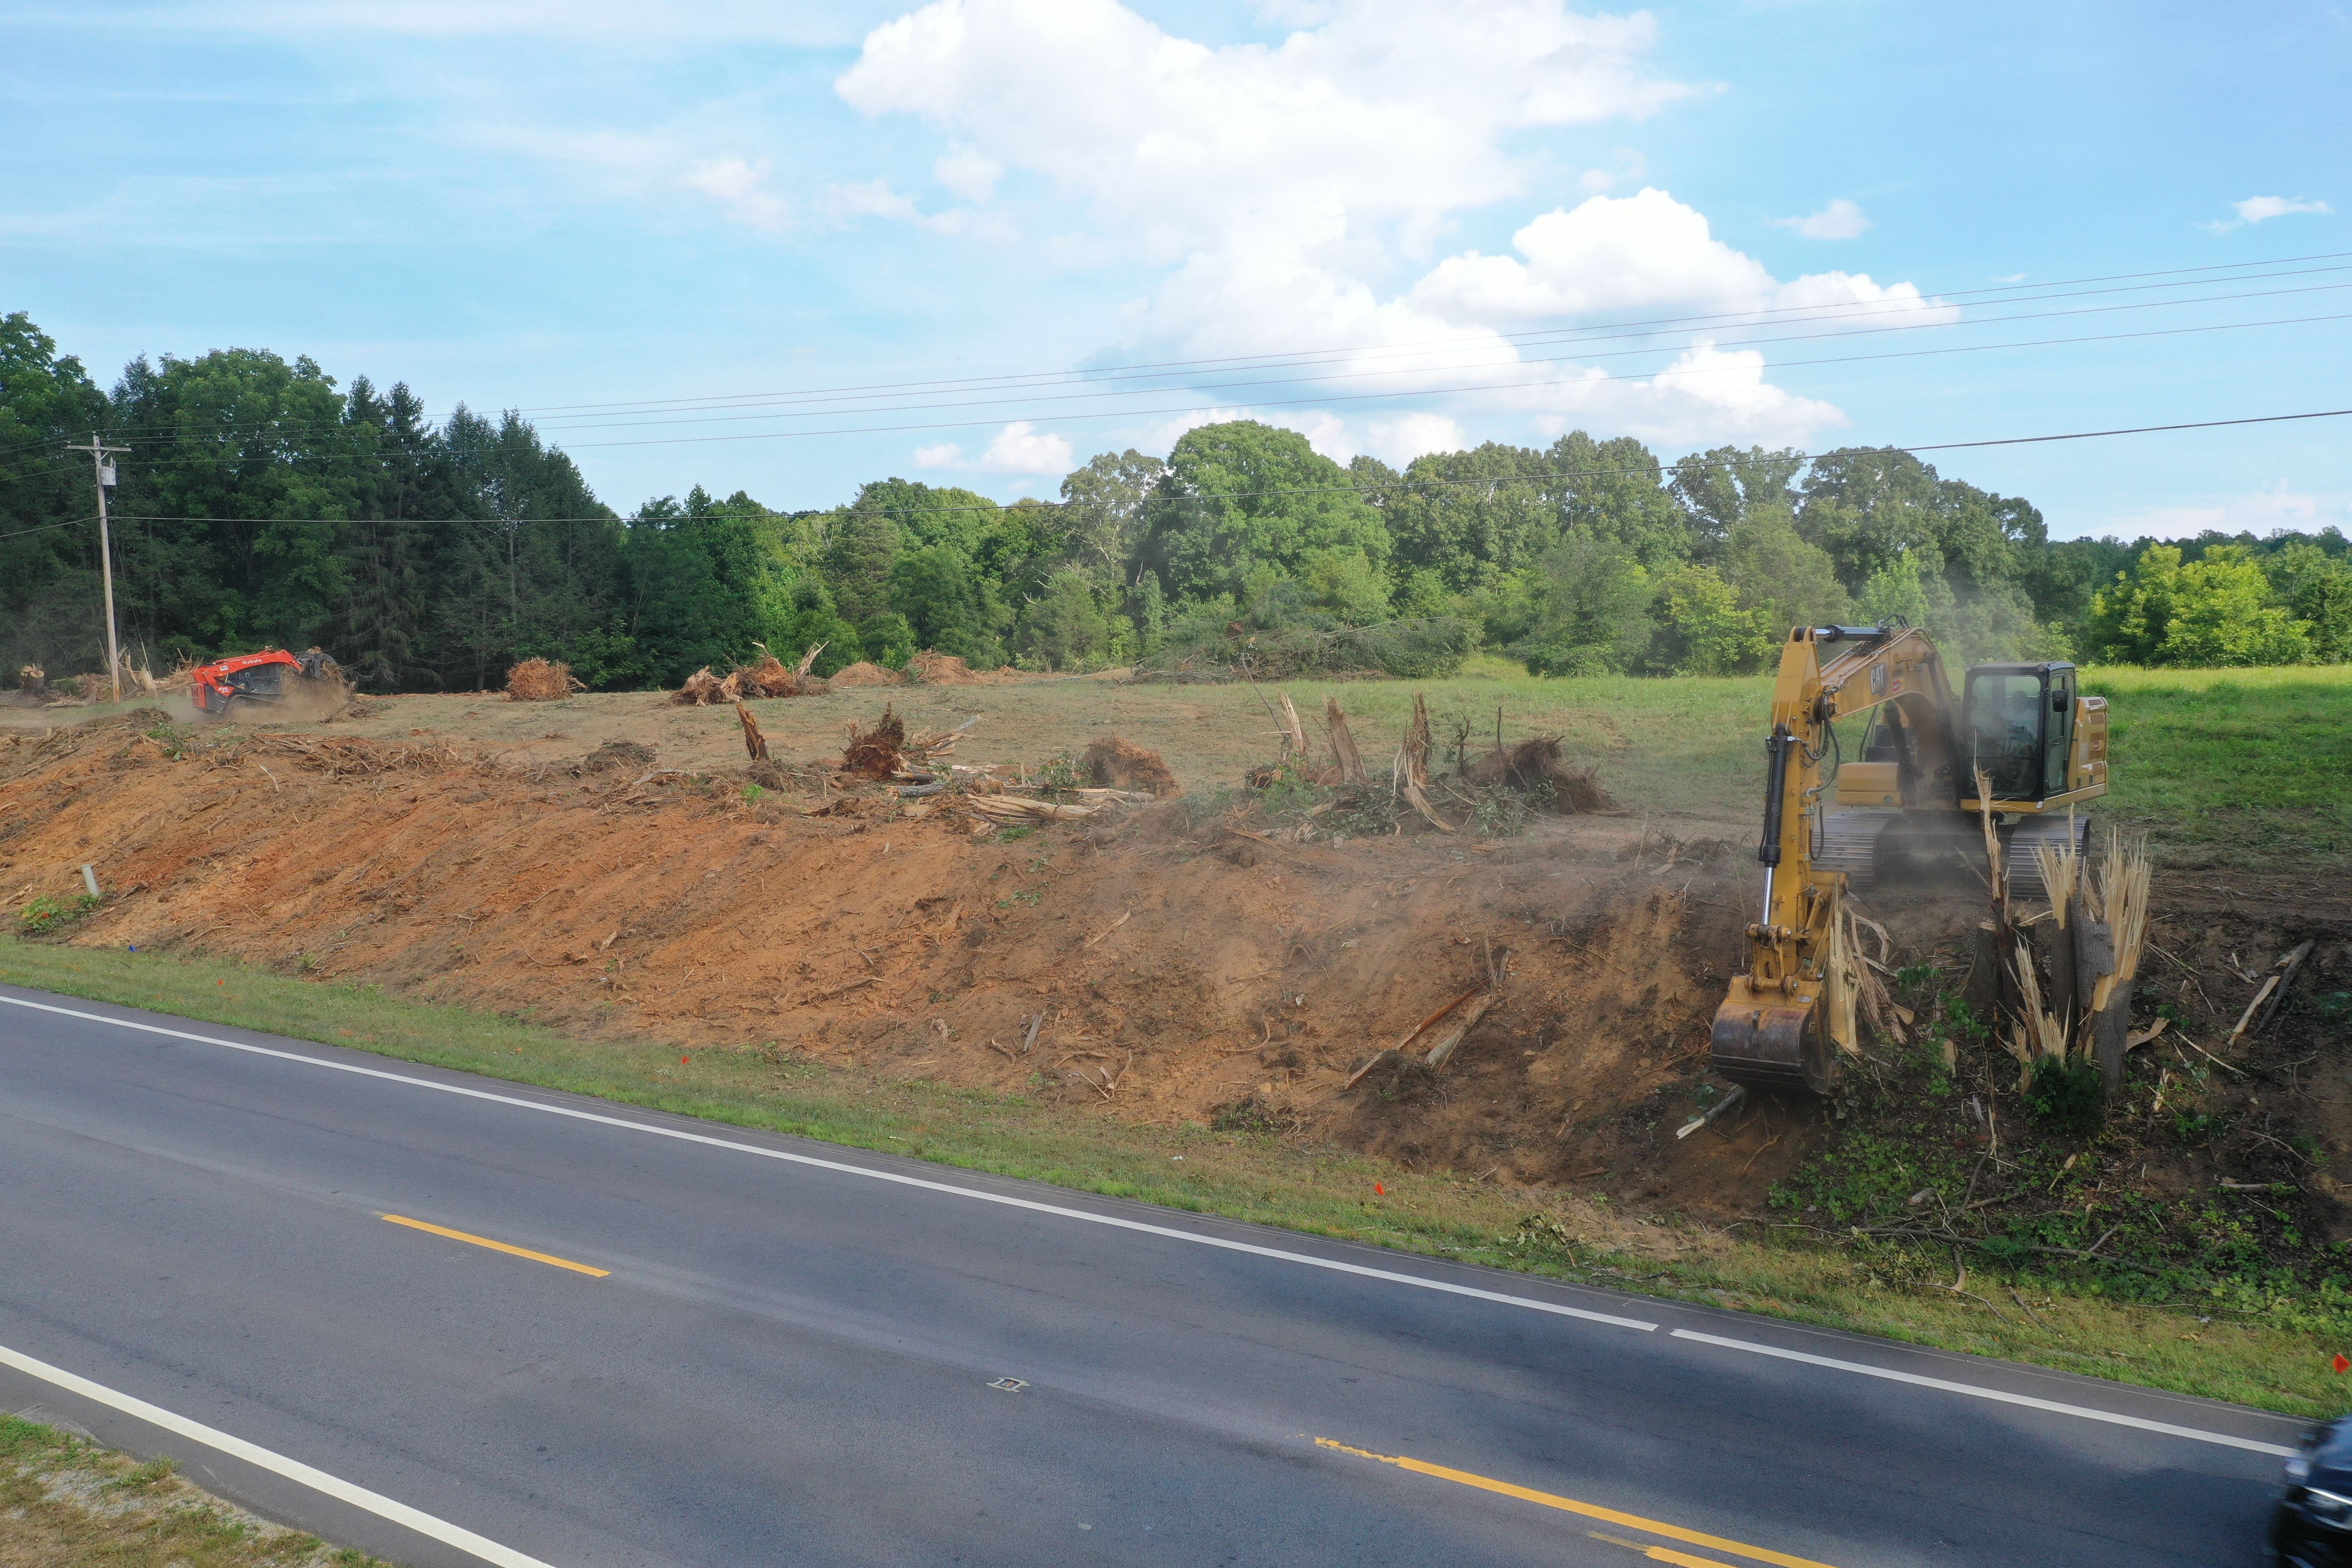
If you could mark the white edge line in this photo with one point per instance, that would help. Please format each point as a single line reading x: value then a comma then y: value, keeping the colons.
x: 847, y: 1169
x: 1976, y: 1392
x: 335, y: 1487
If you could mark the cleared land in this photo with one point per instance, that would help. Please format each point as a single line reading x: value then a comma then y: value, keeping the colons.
x: 1083, y: 1001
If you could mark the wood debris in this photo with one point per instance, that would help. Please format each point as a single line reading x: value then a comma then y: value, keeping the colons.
x: 754, y: 742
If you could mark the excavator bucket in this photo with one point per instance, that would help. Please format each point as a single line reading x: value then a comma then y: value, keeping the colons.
x: 1772, y: 1040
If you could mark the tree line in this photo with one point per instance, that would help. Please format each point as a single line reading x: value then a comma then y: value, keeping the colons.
x: 263, y: 504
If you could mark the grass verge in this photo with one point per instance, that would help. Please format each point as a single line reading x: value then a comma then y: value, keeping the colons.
x: 68, y: 1502
x: 1249, y: 1176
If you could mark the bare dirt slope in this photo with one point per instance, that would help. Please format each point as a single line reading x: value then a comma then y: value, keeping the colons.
x: 1171, y: 970
x: 1151, y: 966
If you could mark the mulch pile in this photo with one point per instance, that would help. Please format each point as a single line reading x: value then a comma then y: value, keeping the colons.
x: 864, y: 673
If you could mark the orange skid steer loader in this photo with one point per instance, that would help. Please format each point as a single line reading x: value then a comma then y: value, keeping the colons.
x: 261, y: 679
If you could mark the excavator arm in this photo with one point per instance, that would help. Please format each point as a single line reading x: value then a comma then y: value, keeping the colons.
x: 1792, y: 1012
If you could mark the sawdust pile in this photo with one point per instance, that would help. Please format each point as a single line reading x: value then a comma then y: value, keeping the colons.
x: 1536, y: 768
x: 1110, y: 969
x: 1112, y: 763
x: 864, y: 673
x: 876, y: 753
x: 541, y: 680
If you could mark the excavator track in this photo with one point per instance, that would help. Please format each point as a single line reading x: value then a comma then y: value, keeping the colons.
x: 1851, y: 842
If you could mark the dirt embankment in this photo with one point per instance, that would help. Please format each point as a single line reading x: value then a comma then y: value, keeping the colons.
x: 1152, y: 967
x: 1157, y: 967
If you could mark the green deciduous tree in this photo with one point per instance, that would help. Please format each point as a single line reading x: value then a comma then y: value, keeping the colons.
x: 1705, y: 629
x: 1243, y: 496
x: 2221, y: 610
x: 1590, y: 611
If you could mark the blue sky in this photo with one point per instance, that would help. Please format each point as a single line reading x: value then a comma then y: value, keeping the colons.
x: 551, y: 204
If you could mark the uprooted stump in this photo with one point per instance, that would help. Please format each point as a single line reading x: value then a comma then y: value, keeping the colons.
x: 767, y: 678
x: 1112, y: 763
x: 701, y: 690
x: 1534, y: 767
x: 876, y: 753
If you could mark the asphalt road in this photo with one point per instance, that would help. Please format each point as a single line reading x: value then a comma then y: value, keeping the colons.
x: 789, y: 1355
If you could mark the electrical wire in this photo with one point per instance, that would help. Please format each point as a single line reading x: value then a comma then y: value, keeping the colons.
x: 1488, y: 482
x: 1599, y: 333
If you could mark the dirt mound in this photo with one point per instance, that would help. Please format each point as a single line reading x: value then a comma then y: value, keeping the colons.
x: 1112, y: 763
x: 1535, y: 767
x: 941, y: 669
x: 875, y: 753
x: 541, y: 680
x: 865, y: 674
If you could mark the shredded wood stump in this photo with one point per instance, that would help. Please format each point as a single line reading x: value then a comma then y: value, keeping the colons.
x: 701, y: 690
x: 876, y: 753
x: 1112, y: 763
x: 1535, y: 767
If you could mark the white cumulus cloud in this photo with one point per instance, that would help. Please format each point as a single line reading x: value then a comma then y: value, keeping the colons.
x: 1018, y: 448
x: 970, y: 175
x: 2261, y: 209
x: 944, y: 455
x: 1399, y: 441
x: 1288, y: 193
x: 2258, y: 512
x: 1842, y: 219
x: 740, y: 185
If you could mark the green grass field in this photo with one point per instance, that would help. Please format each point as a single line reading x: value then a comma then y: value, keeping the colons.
x: 2236, y: 768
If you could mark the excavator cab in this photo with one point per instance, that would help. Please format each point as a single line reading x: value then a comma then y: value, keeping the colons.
x: 2017, y: 724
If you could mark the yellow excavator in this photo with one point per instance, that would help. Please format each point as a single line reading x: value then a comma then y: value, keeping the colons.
x: 1908, y: 799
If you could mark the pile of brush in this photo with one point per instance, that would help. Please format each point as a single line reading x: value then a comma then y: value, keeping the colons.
x: 1536, y: 768
x: 541, y: 680
x: 1530, y: 776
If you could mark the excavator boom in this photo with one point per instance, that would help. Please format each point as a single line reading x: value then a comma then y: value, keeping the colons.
x: 1790, y: 1015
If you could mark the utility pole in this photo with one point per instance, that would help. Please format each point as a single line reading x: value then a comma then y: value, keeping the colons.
x: 97, y: 458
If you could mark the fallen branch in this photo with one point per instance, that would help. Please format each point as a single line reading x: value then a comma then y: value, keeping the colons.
x: 1739, y: 1092
x: 1107, y: 930
x: 840, y: 990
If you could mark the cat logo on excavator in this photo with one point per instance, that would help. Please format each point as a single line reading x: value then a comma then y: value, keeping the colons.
x: 1912, y: 795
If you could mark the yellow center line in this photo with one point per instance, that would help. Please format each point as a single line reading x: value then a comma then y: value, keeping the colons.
x: 1589, y: 1511
x: 1660, y: 1553
x: 497, y: 1245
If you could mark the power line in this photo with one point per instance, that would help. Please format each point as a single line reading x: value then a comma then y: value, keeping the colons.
x: 1252, y: 361
x: 712, y: 418
x: 1444, y: 391
x: 1488, y: 482
x: 2243, y: 271
x: 1516, y: 384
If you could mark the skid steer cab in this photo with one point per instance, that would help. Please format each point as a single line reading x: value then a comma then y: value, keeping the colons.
x: 259, y: 680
